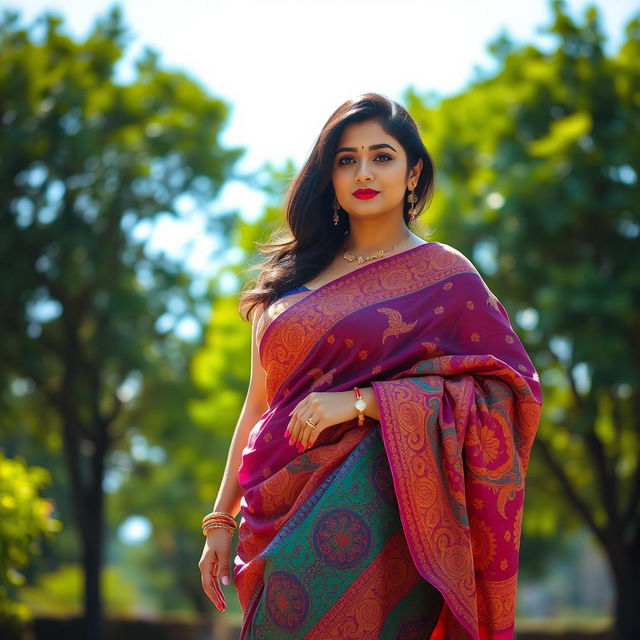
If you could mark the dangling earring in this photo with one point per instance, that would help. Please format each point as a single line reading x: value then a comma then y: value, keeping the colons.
x: 413, y: 198
x: 336, y: 207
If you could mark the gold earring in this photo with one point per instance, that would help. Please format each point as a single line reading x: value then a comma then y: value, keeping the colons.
x: 336, y: 207
x: 413, y: 198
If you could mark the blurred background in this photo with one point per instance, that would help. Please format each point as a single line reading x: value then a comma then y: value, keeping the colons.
x: 145, y: 148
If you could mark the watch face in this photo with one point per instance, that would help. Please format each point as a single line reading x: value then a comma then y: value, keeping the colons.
x: 361, y: 405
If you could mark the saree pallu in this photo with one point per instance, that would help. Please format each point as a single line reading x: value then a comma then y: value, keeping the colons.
x: 407, y: 527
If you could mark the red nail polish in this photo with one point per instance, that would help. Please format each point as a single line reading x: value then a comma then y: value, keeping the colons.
x: 286, y: 433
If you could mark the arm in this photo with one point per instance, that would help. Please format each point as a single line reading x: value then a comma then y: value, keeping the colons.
x: 255, y: 404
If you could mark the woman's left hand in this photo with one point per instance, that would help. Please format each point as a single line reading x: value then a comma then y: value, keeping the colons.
x: 325, y: 408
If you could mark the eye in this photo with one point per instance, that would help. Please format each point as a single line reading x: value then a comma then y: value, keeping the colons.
x: 386, y: 156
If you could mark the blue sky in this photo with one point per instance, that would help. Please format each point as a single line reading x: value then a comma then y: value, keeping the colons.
x: 285, y: 65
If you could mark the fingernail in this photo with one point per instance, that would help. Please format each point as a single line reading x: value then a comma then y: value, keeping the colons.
x: 290, y: 441
x: 286, y: 433
x: 225, y: 579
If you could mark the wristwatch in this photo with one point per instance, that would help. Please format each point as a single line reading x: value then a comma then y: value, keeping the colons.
x: 361, y: 405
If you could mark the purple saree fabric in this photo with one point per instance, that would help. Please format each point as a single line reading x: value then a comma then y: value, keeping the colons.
x: 459, y: 403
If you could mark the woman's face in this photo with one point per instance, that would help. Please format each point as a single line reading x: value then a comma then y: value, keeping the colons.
x: 368, y: 158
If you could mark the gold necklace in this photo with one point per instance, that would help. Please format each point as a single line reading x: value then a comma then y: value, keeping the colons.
x: 349, y: 257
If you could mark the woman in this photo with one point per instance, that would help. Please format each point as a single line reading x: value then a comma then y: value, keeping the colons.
x: 380, y: 459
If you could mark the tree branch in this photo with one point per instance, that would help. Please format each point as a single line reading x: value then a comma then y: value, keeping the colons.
x: 569, y: 490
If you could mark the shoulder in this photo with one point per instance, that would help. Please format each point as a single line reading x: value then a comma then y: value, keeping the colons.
x: 256, y: 314
x: 452, y: 257
x: 473, y: 282
x: 453, y: 262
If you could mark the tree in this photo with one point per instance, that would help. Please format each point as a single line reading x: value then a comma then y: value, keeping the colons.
x: 539, y: 184
x: 88, y: 315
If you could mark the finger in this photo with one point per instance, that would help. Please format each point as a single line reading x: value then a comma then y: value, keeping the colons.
x: 207, y: 586
x: 313, y: 432
x: 313, y: 435
x: 224, y: 574
x: 295, y: 429
x: 292, y: 419
x: 216, y: 585
x: 300, y: 428
x: 308, y: 430
x: 222, y: 603
x: 295, y: 424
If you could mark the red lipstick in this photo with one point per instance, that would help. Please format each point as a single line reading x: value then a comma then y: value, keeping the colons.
x: 365, y: 194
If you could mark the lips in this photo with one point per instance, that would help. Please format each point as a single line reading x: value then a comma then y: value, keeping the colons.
x: 365, y: 194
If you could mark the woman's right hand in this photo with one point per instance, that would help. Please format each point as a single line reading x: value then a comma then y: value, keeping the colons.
x: 214, y: 565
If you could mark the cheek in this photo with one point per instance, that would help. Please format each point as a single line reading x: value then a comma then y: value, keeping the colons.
x: 392, y: 179
x: 339, y: 180
x: 395, y: 182
x: 395, y: 173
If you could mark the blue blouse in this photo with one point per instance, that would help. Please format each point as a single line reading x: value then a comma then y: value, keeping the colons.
x: 286, y: 293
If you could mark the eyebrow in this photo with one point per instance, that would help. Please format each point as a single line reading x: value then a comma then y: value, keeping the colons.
x: 382, y: 145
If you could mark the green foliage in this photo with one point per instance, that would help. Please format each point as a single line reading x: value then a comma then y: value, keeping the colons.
x: 539, y: 186
x: 24, y: 518
x: 59, y: 593
x: 91, y: 362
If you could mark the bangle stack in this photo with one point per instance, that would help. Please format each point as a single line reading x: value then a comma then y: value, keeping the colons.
x: 219, y: 520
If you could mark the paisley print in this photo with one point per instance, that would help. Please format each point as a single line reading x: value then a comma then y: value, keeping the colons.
x: 409, y: 526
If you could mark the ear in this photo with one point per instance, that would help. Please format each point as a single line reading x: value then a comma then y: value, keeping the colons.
x: 414, y: 174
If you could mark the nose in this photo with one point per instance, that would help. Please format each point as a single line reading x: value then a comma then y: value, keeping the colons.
x: 364, y: 174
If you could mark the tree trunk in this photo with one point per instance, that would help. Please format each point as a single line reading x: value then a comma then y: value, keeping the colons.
x: 625, y: 562
x: 92, y: 554
x: 88, y: 506
x: 627, y: 612
x: 93, y: 615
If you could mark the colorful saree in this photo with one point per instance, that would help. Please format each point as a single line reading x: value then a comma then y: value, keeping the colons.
x: 407, y: 527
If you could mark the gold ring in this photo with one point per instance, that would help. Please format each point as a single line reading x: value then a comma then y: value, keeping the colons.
x: 311, y: 424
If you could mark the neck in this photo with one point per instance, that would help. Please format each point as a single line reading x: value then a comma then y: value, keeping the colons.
x: 365, y: 239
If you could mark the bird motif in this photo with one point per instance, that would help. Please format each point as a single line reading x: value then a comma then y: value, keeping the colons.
x: 320, y: 378
x: 397, y: 326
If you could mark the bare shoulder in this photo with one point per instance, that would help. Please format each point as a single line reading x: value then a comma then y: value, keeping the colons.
x: 256, y: 314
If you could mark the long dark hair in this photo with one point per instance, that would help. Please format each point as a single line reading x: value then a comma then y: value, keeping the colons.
x: 309, y: 242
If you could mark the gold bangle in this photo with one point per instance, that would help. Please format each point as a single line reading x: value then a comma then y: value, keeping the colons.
x: 231, y: 523
x: 219, y: 513
x: 218, y: 526
x: 226, y: 524
x: 220, y: 518
x: 227, y: 528
x: 226, y: 517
